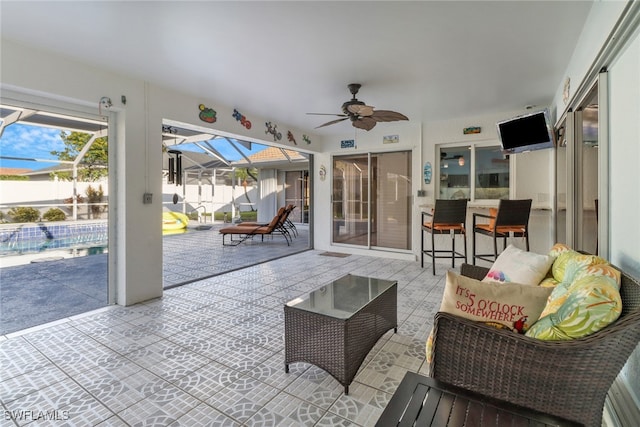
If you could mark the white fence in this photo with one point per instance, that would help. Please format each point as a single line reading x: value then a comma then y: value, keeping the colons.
x: 44, y: 195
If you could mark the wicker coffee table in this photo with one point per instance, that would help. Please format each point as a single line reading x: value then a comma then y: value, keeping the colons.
x: 335, y: 326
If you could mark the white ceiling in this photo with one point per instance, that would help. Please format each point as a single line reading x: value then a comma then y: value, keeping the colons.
x: 431, y: 60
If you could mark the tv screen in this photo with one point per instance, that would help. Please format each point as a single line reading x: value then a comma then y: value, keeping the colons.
x: 528, y: 132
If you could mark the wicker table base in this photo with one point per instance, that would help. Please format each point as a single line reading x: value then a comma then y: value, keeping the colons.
x: 337, y: 341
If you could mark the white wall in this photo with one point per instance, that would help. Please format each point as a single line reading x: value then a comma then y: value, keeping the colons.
x: 624, y: 142
x: 33, y: 75
x: 422, y: 142
x: 624, y: 191
x: 409, y: 136
x: 52, y: 80
x: 600, y: 22
x: 538, y: 164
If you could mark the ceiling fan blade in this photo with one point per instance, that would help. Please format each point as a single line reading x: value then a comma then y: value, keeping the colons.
x: 361, y: 110
x: 387, y: 116
x: 366, y: 123
x: 327, y: 114
x: 331, y: 122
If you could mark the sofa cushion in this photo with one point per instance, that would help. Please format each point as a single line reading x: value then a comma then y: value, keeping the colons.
x: 585, y: 298
x: 516, y: 265
x: 514, y: 305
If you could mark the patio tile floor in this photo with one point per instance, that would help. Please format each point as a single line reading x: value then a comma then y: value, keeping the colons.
x: 211, y: 353
x: 36, y: 293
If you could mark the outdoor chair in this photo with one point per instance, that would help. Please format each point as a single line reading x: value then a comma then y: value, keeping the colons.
x: 448, y: 217
x: 289, y: 225
x: 569, y: 379
x: 511, y: 219
x: 285, y: 222
x: 246, y: 231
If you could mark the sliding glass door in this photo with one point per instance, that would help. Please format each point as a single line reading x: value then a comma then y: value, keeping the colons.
x: 372, y: 200
x: 296, y: 193
x: 577, y: 176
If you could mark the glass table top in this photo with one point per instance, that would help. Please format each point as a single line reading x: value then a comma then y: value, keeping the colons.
x: 343, y: 297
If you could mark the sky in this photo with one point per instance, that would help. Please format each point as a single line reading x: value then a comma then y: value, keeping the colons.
x: 29, y: 142
x: 36, y: 142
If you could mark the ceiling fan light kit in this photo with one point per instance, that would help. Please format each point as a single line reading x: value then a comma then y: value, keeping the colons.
x: 362, y: 116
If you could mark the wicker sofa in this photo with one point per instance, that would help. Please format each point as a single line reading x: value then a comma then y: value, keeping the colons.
x: 569, y: 379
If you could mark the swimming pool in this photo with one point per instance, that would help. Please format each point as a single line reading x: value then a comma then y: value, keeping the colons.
x: 20, y: 239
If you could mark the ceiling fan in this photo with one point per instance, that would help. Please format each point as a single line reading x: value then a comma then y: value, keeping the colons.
x: 362, y: 116
x: 444, y: 156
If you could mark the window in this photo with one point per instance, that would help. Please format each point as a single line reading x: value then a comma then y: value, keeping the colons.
x: 492, y: 173
x: 455, y: 168
x: 486, y: 164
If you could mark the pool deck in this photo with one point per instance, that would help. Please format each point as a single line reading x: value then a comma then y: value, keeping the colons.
x: 35, y: 293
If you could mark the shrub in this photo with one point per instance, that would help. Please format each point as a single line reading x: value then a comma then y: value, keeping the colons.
x: 54, y: 214
x: 24, y: 214
x: 13, y: 178
x: 249, y: 215
x: 69, y: 200
x: 95, y: 196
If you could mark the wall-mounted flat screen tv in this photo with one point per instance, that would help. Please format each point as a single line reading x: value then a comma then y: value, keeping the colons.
x: 528, y: 132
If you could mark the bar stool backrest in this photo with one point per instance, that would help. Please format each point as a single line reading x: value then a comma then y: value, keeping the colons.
x: 450, y: 211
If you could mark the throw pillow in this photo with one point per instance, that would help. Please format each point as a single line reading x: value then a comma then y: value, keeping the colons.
x: 580, y: 308
x: 516, y: 265
x: 569, y: 264
x: 514, y: 305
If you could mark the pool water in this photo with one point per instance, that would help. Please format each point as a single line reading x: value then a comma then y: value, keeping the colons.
x: 34, y: 238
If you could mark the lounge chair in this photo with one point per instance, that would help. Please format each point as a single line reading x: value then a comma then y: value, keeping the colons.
x: 286, y: 223
x: 289, y: 224
x: 245, y: 230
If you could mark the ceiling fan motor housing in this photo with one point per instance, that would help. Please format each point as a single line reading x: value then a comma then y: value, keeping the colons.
x: 345, y: 108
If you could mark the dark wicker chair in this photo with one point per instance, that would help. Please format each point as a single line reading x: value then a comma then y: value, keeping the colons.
x: 569, y: 379
x: 511, y: 219
x: 448, y: 217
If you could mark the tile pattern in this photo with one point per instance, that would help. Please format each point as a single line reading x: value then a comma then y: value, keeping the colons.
x: 198, y: 254
x: 211, y: 353
x: 41, y: 292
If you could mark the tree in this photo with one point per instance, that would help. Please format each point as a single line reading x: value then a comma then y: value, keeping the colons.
x: 243, y: 174
x: 93, y: 166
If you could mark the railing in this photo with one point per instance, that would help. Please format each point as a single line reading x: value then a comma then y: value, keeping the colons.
x: 204, y: 213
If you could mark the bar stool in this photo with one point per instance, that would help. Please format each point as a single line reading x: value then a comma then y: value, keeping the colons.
x: 448, y: 217
x: 510, y: 220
